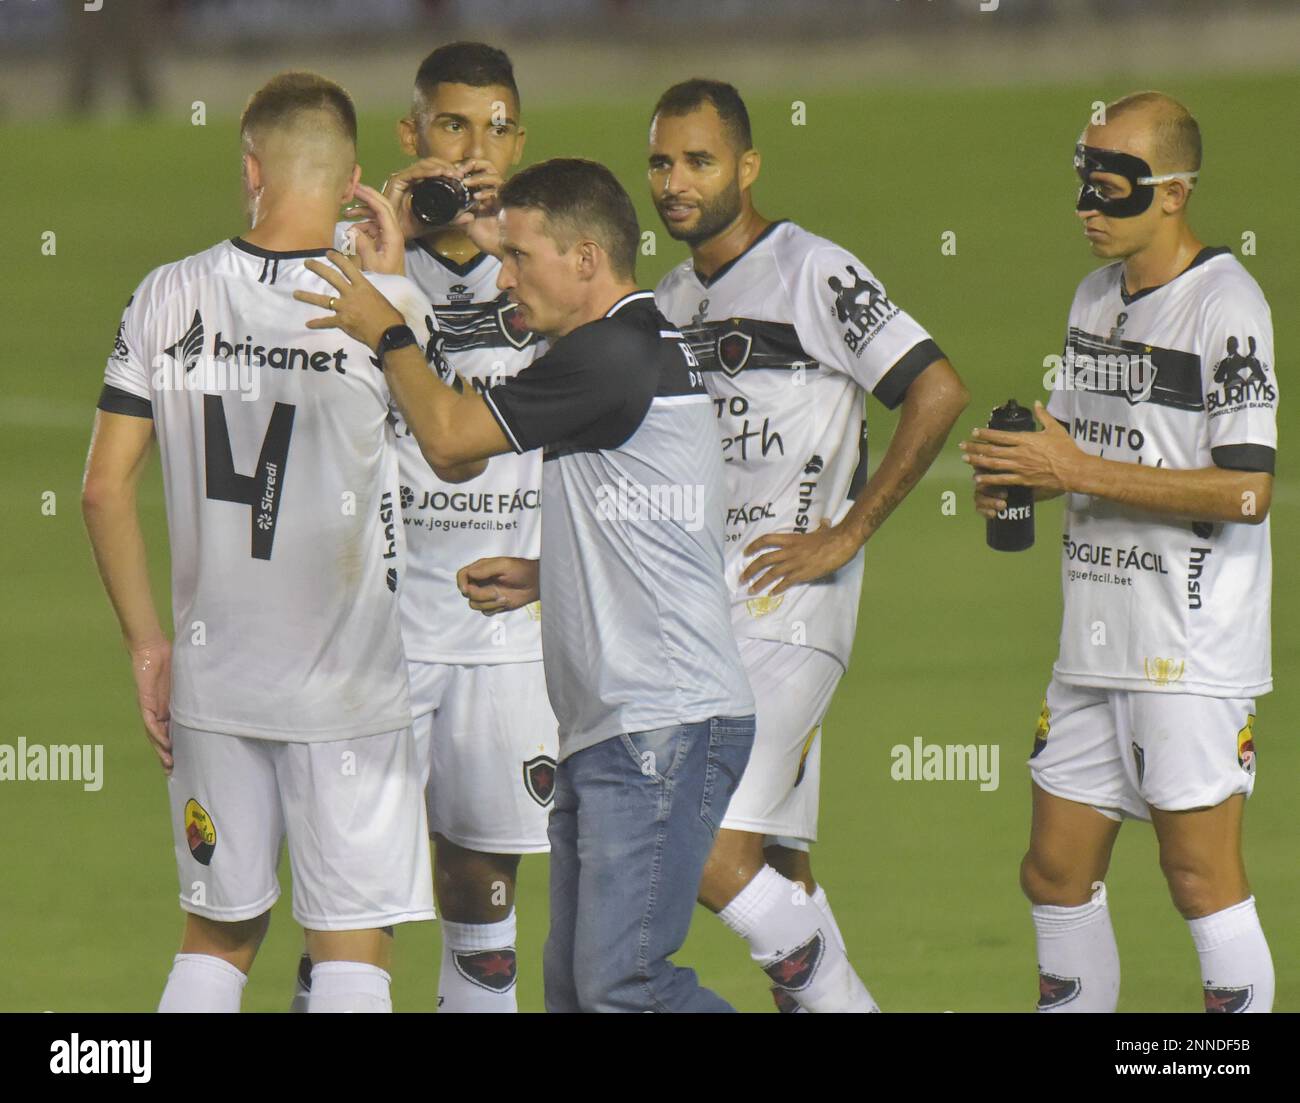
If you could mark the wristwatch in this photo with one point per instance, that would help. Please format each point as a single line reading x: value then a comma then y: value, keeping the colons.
x: 394, y: 337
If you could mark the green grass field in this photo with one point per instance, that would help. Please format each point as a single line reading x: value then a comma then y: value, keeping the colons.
x: 955, y: 642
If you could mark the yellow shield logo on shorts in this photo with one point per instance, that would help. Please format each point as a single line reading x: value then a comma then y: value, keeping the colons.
x: 200, y: 832
x: 1246, y: 745
x: 1043, y: 726
x: 534, y: 610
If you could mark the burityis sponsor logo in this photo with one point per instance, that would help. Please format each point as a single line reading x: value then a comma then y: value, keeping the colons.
x: 1242, y: 380
x: 861, y: 306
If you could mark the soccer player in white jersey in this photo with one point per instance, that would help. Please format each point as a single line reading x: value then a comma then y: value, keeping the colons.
x: 478, y: 693
x: 283, y: 709
x: 1162, y: 436
x: 792, y: 333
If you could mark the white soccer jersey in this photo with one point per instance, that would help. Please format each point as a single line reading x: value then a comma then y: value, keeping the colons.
x: 281, y: 486
x: 1179, y: 376
x: 498, y: 513
x: 791, y: 334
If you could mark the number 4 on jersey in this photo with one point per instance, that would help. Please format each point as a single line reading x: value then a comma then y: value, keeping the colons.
x: 261, y: 491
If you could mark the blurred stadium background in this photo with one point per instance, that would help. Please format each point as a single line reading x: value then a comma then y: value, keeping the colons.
x: 921, y: 117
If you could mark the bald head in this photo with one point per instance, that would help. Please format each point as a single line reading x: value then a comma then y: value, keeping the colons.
x: 302, y: 129
x: 1152, y: 126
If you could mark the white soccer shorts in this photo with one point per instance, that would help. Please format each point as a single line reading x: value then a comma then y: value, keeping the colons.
x: 350, y: 810
x: 490, y: 738
x: 779, y: 793
x: 1122, y: 750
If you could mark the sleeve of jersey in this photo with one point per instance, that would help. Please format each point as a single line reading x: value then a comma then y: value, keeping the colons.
x: 590, y: 390
x: 126, y: 376
x: 846, y: 321
x: 1239, y: 379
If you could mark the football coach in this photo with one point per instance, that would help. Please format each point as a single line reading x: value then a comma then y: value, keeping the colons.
x: 642, y: 669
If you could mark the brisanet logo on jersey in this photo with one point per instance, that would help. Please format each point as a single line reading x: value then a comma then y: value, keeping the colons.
x: 60, y: 762
x: 632, y: 501
x: 102, y: 1057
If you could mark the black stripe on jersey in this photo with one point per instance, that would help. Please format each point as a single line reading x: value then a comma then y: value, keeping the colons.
x: 746, y: 344
x: 489, y: 325
x: 114, y: 400
x: 859, y: 479
x: 1244, y: 457
x: 1177, y: 382
x: 266, y: 263
x: 894, y: 383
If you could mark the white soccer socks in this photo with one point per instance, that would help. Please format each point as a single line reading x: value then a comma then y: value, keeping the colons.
x: 1236, y: 967
x: 478, y: 966
x: 301, y: 986
x: 200, y: 983
x: 1078, y: 960
x: 348, y: 986
x: 794, y: 939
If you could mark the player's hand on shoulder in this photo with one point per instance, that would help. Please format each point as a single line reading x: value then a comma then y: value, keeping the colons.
x: 151, y: 666
x: 358, y: 308
x: 380, y: 244
x: 397, y: 190
x: 499, y: 584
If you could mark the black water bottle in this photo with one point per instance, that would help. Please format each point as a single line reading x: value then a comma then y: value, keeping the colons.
x: 1013, y: 528
x: 436, y: 200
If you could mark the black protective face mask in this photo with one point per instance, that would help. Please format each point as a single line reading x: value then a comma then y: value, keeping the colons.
x: 1090, y: 159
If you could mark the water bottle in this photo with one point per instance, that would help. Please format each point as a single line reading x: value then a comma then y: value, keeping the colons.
x: 1013, y: 528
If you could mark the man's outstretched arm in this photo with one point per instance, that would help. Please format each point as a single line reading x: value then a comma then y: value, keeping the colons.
x: 453, y: 430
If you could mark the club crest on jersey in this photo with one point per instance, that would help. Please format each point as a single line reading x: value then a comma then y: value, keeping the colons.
x: 733, y: 349
x: 187, y: 350
x: 200, y: 832
x: 459, y: 293
x: 1246, y: 745
x: 1054, y: 991
x: 512, y: 326
x: 1163, y: 672
x: 539, y: 779
x: 1041, y: 730
x: 862, y: 320
x: 1242, y: 379
x: 796, y: 970
x: 1230, y: 1001
x: 494, y: 970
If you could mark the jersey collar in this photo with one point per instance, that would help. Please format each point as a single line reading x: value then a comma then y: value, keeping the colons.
x: 711, y: 280
x: 275, y: 254
x: 1208, y: 253
x: 630, y: 297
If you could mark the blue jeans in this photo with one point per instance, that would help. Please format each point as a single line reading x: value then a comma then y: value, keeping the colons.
x: 632, y: 825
